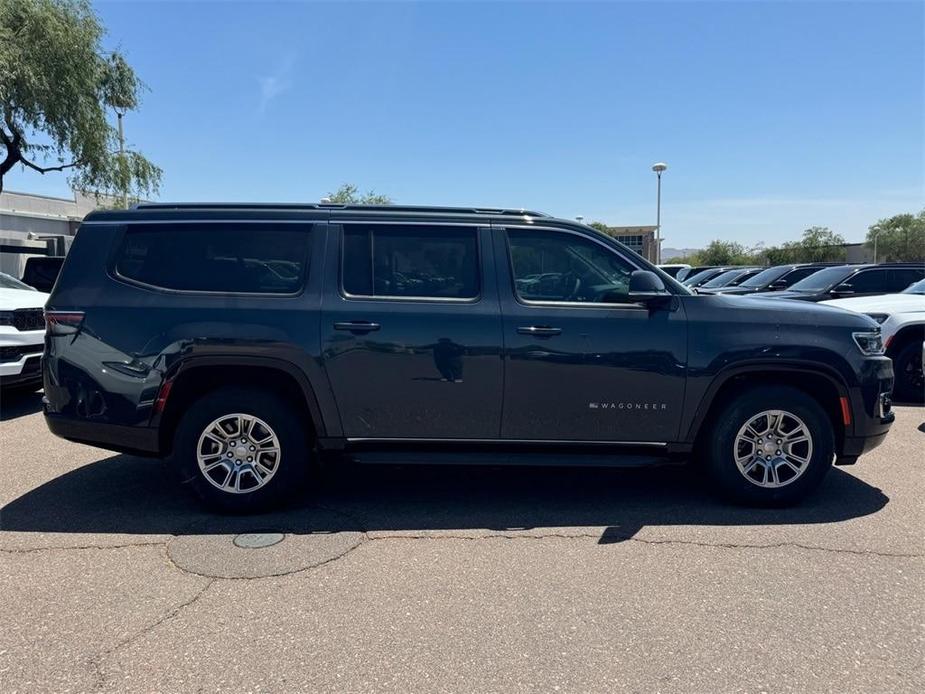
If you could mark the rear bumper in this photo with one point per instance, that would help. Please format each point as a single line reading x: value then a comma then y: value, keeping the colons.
x: 136, y: 440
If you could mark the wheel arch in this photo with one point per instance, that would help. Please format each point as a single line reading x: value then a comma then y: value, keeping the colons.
x: 819, y: 382
x: 194, y: 377
x: 905, y: 335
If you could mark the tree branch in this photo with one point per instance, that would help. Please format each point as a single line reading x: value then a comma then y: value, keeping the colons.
x: 46, y: 169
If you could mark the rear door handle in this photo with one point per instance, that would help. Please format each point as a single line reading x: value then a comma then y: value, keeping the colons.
x: 356, y: 326
x: 539, y: 330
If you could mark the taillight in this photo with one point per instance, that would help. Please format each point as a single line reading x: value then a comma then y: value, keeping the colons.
x: 63, y: 322
x: 160, y: 402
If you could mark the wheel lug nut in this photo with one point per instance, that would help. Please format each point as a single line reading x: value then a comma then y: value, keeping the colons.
x: 778, y: 442
x: 767, y: 457
x: 253, y: 449
x: 778, y: 453
x: 249, y: 459
x: 228, y: 454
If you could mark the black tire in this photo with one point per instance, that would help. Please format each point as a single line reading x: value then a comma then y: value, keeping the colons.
x: 909, y: 385
x: 289, y: 469
x: 722, y: 446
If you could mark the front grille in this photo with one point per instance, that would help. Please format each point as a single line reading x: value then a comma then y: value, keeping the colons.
x: 28, y: 319
x: 16, y: 352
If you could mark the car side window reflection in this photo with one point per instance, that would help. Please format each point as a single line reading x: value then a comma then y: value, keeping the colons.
x: 551, y: 266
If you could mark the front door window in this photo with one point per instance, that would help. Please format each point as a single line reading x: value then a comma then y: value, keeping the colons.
x: 563, y: 267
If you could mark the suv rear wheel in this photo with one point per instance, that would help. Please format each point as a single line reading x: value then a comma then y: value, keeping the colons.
x: 242, y: 450
x: 771, y: 446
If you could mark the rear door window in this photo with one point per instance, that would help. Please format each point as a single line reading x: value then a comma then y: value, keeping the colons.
x: 904, y: 277
x: 216, y: 257
x: 869, y: 282
x: 410, y: 261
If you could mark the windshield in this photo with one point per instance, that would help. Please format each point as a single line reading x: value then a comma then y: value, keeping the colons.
x: 723, y: 278
x: 7, y: 282
x: 765, y: 277
x: 822, y: 279
x: 915, y: 288
x: 696, y: 280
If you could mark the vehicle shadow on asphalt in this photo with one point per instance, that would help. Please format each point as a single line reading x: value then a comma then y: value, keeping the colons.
x: 125, y: 494
x: 14, y: 405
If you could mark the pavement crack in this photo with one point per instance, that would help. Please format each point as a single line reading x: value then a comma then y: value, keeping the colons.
x: 614, y: 538
x: 488, y: 536
x: 778, y: 545
x: 67, y: 548
x: 97, y: 660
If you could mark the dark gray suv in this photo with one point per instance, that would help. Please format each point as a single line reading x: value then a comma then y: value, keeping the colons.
x: 243, y: 343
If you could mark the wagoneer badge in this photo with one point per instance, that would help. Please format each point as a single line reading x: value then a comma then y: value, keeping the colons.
x: 627, y: 405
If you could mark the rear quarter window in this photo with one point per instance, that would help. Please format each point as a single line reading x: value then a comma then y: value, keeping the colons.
x: 216, y: 257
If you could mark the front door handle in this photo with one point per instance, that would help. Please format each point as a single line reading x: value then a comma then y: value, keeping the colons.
x: 357, y: 326
x: 539, y: 330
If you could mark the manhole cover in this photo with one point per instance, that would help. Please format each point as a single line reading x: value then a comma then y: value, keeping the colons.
x: 257, y: 540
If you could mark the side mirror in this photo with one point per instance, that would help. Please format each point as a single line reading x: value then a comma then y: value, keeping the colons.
x: 843, y: 289
x: 646, y: 287
x: 777, y: 285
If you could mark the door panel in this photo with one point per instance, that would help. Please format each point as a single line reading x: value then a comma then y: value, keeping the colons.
x: 585, y: 368
x: 413, y: 366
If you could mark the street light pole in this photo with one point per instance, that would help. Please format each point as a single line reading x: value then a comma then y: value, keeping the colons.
x: 658, y: 169
x: 122, y: 160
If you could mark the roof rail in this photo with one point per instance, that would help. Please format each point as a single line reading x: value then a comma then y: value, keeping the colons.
x: 334, y: 206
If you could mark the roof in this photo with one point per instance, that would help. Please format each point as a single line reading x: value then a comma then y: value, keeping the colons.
x: 307, y: 211
x: 493, y: 211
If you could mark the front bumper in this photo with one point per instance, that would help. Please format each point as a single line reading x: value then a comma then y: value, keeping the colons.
x: 20, y: 356
x: 871, y: 409
x: 26, y: 370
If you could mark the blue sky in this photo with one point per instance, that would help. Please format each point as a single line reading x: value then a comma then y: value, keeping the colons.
x: 772, y: 116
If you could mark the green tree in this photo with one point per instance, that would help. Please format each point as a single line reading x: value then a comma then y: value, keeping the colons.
x: 720, y: 252
x: 900, y: 237
x: 349, y: 194
x: 819, y: 244
x: 57, y: 86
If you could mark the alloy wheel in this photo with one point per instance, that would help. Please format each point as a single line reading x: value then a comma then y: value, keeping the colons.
x: 773, y: 448
x: 238, y: 453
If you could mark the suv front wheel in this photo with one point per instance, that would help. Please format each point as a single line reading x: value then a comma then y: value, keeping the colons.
x: 771, y: 446
x: 241, y: 450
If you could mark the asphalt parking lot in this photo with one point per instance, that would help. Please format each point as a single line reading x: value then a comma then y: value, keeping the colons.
x: 457, y: 579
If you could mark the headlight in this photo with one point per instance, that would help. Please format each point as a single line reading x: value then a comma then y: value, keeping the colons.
x: 6, y: 318
x: 870, y: 343
x: 879, y: 317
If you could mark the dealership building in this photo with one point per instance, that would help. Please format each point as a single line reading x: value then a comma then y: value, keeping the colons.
x: 639, y: 239
x: 33, y: 225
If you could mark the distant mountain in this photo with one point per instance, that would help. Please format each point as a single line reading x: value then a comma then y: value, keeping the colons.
x: 668, y: 253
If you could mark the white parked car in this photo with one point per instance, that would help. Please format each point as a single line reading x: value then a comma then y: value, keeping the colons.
x: 902, y: 321
x: 22, y: 334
